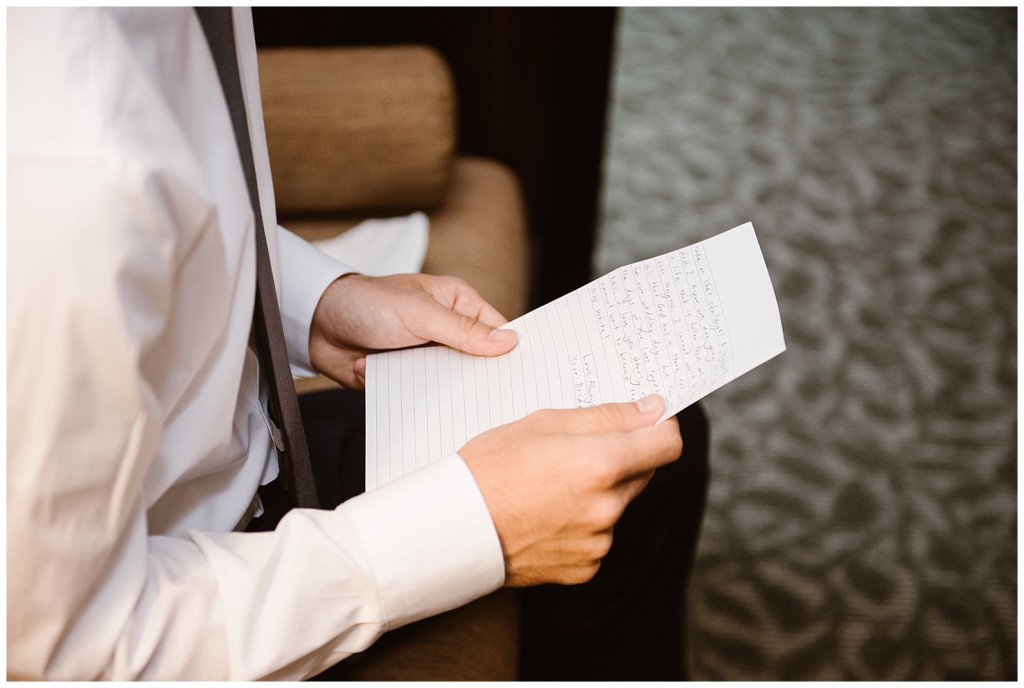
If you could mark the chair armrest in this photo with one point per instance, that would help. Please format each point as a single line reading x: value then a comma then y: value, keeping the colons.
x: 476, y: 642
x: 357, y: 129
x: 479, y: 234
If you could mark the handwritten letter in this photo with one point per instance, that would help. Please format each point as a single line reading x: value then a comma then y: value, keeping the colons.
x: 680, y: 325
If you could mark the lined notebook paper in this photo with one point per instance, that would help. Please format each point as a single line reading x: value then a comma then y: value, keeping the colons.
x: 681, y: 325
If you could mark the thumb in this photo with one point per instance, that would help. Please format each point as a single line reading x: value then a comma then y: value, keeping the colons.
x: 612, y: 417
x: 465, y: 333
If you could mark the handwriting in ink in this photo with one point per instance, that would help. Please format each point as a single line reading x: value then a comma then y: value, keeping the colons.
x: 665, y: 320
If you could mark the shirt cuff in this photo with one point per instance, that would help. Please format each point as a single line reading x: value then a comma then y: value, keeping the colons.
x: 430, y: 541
x: 306, y: 271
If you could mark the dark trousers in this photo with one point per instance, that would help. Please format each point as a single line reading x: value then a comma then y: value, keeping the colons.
x: 628, y: 622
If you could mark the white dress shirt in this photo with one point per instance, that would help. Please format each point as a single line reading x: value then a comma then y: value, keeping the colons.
x: 136, y: 437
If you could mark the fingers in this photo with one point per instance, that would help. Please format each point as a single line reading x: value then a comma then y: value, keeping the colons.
x: 464, y: 332
x: 616, y: 458
x: 346, y: 367
x: 557, y: 482
x: 462, y: 319
x: 620, y: 417
x: 651, y: 447
x: 359, y: 369
x: 634, y: 486
x: 465, y: 300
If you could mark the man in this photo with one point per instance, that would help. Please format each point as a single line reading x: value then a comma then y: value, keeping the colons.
x: 137, y: 421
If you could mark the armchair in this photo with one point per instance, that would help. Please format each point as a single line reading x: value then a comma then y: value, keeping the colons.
x: 355, y: 133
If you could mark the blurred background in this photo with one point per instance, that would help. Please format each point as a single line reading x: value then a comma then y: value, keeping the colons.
x: 863, y: 507
x: 862, y: 518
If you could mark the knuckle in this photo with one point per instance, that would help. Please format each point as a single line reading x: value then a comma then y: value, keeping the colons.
x: 603, y: 473
x: 590, y: 571
x: 460, y: 287
x: 467, y: 325
x: 600, y: 546
x: 457, y: 282
x: 605, y: 513
x: 544, y: 414
x: 543, y: 417
x: 585, y: 574
x: 613, y: 415
x: 674, y: 440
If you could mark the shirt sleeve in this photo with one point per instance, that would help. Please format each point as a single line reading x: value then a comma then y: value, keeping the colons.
x: 97, y: 239
x: 305, y: 273
x: 412, y: 549
x: 91, y: 593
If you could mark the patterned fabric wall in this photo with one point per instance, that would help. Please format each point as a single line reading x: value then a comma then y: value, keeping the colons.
x: 862, y: 517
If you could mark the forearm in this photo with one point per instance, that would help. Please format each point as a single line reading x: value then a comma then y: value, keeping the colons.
x: 279, y: 605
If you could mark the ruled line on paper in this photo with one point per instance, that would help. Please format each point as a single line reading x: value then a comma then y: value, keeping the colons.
x: 681, y: 325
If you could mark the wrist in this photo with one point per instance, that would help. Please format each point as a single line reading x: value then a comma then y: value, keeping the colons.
x: 328, y: 326
x: 328, y: 308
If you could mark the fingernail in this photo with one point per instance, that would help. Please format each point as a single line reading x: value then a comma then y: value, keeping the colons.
x: 648, y: 404
x: 500, y: 335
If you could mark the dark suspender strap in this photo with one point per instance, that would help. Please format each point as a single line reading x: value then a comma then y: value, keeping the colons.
x: 267, y: 329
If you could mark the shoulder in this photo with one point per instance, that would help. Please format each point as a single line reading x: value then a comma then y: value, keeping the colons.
x: 119, y: 97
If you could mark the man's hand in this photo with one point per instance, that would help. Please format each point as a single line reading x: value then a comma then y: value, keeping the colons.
x: 358, y: 315
x: 557, y: 481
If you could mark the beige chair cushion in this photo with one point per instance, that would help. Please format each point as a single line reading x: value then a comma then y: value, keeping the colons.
x: 479, y: 234
x: 352, y: 129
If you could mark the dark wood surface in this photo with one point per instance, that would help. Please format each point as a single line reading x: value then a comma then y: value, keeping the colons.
x: 533, y: 90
